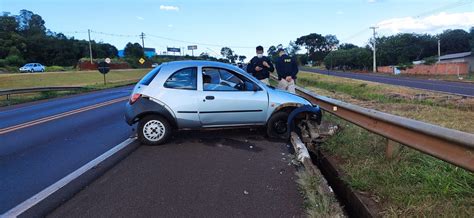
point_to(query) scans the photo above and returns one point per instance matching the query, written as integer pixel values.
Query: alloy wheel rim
(154, 130)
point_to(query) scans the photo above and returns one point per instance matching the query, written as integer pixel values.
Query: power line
(113, 34)
(199, 43)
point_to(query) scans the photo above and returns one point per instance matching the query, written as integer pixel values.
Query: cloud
(339, 12)
(431, 23)
(169, 8)
(140, 18)
(170, 25)
(371, 1)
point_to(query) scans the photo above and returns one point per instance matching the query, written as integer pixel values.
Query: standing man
(260, 66)
(287, 68)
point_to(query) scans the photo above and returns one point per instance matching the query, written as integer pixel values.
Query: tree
(317, 45)
(271, 51)
(354, 58)
(471, 40)
(405, 48)
(228, 54)
(454, 41)
(242, 58)
(347, 46)
(134, 50)
(292, 48)
(30, 23)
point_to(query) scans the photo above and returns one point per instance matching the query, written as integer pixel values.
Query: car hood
(279, 97)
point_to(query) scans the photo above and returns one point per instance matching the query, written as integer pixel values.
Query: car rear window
(146, 80)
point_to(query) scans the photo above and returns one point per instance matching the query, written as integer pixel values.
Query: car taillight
(135, 97)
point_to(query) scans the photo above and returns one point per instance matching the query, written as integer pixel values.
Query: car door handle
(209, 97)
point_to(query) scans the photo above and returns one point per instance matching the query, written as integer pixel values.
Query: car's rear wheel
(277, 125)
(153, 130)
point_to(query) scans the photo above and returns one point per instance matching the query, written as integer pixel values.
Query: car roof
(202, 63)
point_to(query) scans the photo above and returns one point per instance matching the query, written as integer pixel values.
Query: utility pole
(142, 36)
(90, 45)
(439, 50)
(375, 54)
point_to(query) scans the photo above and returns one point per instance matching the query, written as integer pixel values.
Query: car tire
(153, 130)
(277, 126)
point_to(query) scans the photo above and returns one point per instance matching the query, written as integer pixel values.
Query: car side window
(183, 79)
(218, 79)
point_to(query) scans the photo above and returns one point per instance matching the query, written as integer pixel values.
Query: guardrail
(9, 92)
(449, 145)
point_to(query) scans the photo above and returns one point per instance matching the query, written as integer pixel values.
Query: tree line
(399, 49)
(25, 38)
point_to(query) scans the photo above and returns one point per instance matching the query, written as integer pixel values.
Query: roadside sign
(141, 60)
(107, 60)
(170, 49)
(104, 68)
(192, 48)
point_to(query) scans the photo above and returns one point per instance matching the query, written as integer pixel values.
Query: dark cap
(259, 48)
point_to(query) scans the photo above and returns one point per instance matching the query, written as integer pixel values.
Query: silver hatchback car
(205, 94)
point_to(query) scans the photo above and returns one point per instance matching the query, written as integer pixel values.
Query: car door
(179, 93)
(229, 98)
(35, 68)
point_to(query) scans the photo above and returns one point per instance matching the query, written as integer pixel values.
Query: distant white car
(155, 65)
(32, 67)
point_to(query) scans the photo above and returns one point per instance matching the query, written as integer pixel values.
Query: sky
(243, 24)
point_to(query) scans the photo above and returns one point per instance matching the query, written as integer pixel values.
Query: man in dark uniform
(260, 66)
(287, 68)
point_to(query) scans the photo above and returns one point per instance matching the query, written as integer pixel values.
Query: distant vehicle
(205, 94)
(155, 65)
(32, 67)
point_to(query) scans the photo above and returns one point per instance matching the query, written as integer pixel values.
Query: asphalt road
(232, 173)
(38, 147)
(459, 88)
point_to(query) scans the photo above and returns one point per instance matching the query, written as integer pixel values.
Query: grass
(450, 111)
(411, 184)
(67, 78)
(90, 80)
(317, 204)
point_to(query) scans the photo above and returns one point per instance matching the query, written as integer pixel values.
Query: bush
(3, 62)
(404, 66)
(430, 60)
(55, 69)
(14, 60)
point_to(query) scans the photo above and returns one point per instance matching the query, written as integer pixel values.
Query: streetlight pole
(439, 50)
(375, 50)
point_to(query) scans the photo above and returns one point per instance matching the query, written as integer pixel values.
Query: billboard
(170, 49)
(192, 47)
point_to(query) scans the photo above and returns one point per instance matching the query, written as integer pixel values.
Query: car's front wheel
(153, 130)
(277, 125)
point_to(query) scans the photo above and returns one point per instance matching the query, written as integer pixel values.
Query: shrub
(3, 62)
(54, 69)
(430, 60)
(14, 60)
